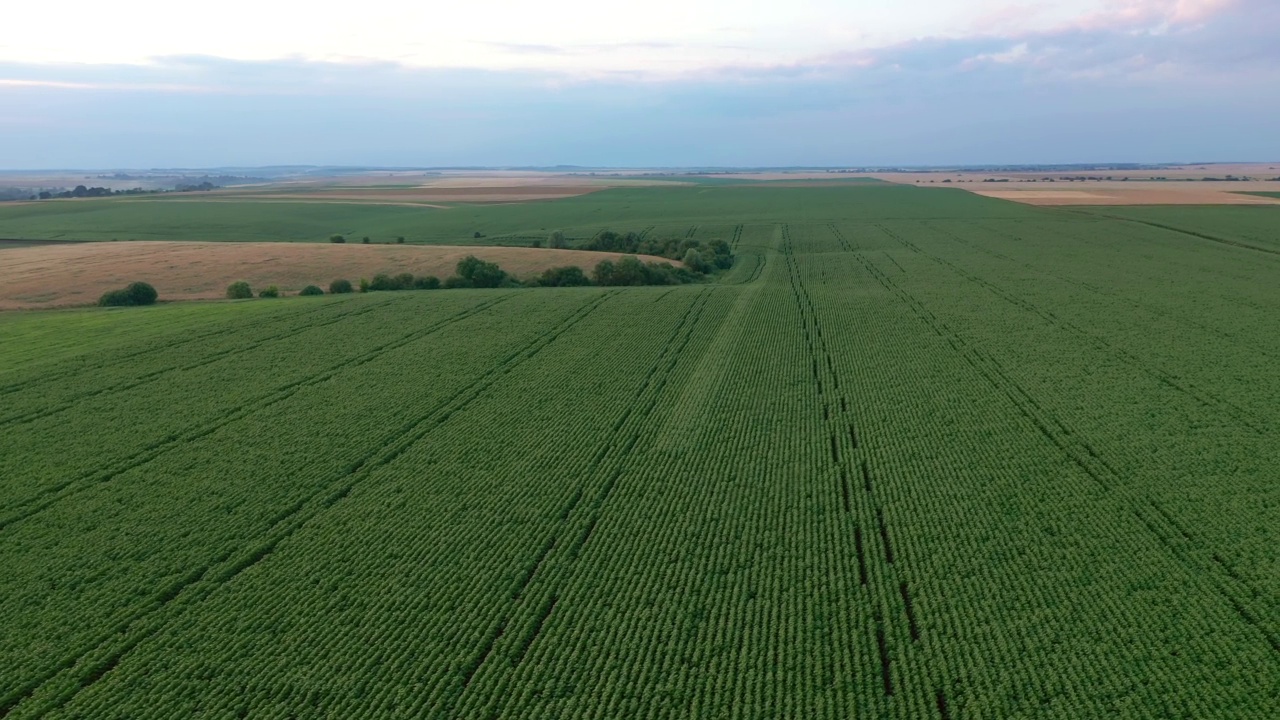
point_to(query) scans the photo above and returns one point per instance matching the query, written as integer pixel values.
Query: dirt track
(66, 275)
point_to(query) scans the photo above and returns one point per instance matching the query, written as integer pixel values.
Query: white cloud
(580, 36)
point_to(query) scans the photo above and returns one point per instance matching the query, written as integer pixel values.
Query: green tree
(382, 282)
(311, 290)
(239, 291)
(136, 293)
(339, 287)
(270, 292)
(568, 276)
(695, 262)
(337, 239)
(479, 273)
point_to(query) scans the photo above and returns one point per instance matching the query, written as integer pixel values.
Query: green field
(711, 210)
(920, 454)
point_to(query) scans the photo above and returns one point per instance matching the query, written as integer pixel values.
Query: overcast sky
(653, 83)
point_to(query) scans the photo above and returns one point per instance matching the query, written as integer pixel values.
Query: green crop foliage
(917, 454)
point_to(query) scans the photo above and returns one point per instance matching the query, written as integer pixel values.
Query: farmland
(919, 454)
(69, 274)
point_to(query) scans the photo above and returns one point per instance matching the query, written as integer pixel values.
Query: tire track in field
(1227, 584)
(206, 360)
(1154, 310)
(839, 423)
(1189, 233)
(85, 667)
(619, 445)
(53, 494)
(1206, 400)
(48, 378)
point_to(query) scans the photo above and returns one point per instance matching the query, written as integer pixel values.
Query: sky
(659, 83)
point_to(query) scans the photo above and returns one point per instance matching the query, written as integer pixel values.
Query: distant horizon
(688, 169)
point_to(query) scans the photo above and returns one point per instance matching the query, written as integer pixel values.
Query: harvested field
(67, 275)
(417, 195)
(1132, 193)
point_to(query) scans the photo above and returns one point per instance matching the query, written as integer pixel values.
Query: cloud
(1145, 81)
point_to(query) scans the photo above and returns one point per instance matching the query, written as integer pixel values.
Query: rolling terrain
(919, 454)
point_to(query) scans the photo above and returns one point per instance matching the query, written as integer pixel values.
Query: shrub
(557, 240)
(568, 276)
(239, 291)
(364, 285)
(114, 298)
(535, 244)
(481, 274)
(365, 240)
(311, 290)
(695, 261)
(339, 287)
(400, 240)
(404, 281)
(381, 282)
(141, 293)
(430, 282)
(270, 292)
(337, 239)
(478, 235)
(629, 270)
(454, 282)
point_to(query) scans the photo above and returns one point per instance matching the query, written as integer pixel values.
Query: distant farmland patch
(58, 275)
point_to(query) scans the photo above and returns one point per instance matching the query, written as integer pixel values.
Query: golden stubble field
(1180, 185)
(52, 276)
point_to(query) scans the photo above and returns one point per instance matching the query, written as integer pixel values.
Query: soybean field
(919, 454)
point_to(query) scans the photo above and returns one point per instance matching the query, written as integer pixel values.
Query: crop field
(919, 454)
(71, 274)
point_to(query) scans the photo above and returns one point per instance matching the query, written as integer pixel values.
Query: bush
(478, 235)
(695, 261)
(404, 281)
(239, 291)
(557, 240)
(339, 287)
(454, 282)
(568, 276)
(628, 270)
(311, 290)
(142, 293)
(364, 285)
(381, 282)
(271, 292)
(481, 274)
(400, 240)
(430, 282)
(535, 244)
(337, 239)
(137, 293)
(365, 240)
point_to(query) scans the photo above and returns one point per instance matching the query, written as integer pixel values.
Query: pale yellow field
(78, 274)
